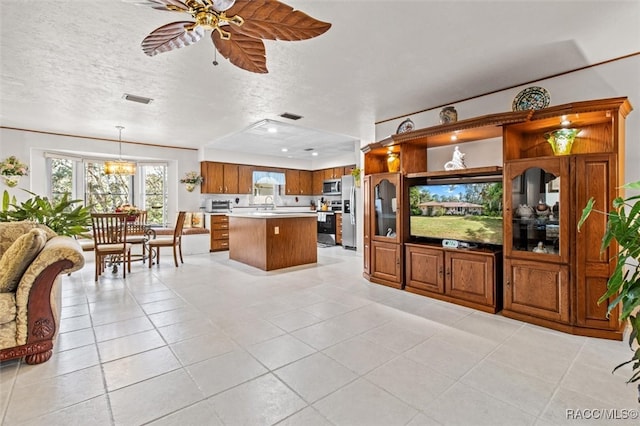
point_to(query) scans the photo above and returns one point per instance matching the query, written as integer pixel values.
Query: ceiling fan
(237, 28)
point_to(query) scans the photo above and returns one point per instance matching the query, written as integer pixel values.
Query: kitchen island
(271, 240)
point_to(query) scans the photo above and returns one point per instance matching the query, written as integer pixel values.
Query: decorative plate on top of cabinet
(406, 126)
(533, 97)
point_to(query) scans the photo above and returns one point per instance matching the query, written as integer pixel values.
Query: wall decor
(448, 115)
(533, 97)
(406, 126)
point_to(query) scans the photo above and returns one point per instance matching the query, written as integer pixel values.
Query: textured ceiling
(65, 66)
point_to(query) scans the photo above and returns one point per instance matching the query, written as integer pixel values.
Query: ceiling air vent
(290, 116)
(139, 99)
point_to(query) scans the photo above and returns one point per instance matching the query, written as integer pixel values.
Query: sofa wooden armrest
(37, 301)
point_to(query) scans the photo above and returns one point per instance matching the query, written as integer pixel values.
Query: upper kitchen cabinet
(298, 182)
(317, 180)
(306, 182)
(245, 179)
(219, 178)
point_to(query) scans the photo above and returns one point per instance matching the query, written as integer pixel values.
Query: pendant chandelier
(120, 167)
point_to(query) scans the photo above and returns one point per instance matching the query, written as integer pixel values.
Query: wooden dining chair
(175, 241)
(137, 232)
(110, 241)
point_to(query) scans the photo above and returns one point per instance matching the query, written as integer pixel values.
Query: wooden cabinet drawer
(219, 219)
(217, 245)
(216, 226)
(220, 234)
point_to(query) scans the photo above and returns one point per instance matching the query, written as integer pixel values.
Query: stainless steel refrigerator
(348, 212)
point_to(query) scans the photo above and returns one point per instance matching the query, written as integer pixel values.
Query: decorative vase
(524, 211)
(393, 163)
(11, 181)
(561, 140)
(190, 186)
(448, 115)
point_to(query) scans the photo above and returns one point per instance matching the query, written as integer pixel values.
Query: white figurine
(457, 162)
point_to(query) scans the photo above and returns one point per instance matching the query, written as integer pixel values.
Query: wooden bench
(194, 240)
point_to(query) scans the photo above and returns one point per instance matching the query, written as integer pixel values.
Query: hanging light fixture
(120, 167)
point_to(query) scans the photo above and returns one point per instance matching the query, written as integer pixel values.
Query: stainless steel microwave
(331, 187)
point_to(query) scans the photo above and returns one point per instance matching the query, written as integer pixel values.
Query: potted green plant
(356, 176)
(623, 227)
(63, 217)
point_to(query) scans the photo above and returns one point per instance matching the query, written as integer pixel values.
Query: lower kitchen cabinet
(339, 228)
(467, 277)
(219, 232)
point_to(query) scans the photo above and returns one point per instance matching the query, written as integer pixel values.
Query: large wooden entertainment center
(556, 284)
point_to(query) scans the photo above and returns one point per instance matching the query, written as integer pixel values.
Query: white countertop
(270, 214)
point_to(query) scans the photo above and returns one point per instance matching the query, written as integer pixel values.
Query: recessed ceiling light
(315, 154)
(284, 150)
(272, 130)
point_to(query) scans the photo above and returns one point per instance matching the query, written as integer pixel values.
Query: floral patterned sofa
(32, 258)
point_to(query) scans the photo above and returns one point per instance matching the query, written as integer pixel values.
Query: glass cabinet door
(536, 209)
(385, 196)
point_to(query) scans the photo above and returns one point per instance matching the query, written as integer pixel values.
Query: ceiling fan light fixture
(119, 166)
(222, 5)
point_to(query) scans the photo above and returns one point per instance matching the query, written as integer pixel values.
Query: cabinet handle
(440, 272)
(448, 272)
(508, 283)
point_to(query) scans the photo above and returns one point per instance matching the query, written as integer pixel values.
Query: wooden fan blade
(171, 36)
(169, 5)
(272, 20)
(242, 51)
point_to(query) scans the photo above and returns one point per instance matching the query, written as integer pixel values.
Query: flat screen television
(467, 212)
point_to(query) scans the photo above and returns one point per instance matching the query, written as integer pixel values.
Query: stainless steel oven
(327, 228)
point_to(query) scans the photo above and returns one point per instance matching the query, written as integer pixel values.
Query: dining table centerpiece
(132, 211)
(11, 169)
(191, 179)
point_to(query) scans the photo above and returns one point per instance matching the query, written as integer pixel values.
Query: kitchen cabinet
(318, 179)
(219, 178)
(306, 182)
(466, 277)
(338, 228)
(298, 182)
(219, 232)
(245, 179)
(292, 179)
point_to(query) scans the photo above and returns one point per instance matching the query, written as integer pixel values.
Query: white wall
(30, 147)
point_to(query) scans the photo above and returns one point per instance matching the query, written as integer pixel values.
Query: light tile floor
(215, 342)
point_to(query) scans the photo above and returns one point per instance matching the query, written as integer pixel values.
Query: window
(85, 179)
(154, 194)
(106, 192)
(61, 178)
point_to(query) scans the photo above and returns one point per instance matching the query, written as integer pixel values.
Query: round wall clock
(533, 97)
(406, 126)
